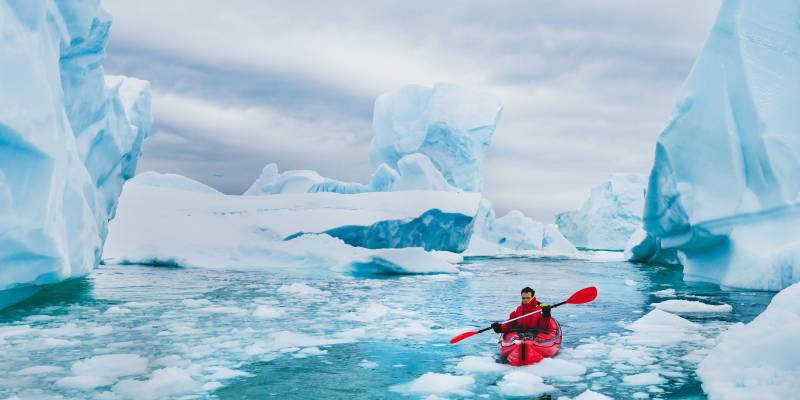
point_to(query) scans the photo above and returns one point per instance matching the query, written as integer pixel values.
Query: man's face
(526, 297)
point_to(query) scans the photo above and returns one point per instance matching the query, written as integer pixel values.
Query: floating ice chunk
(436, 383)
(410, 260)
(665, 293)
(480, 364)
(309, 351)
(111, 365)
(368, 364)
(658, 328)
(163, 383)
(84, 382)
(759, 359)
(643, 379)
(222, 310)
(267, 312)
(552, 367)
(38, 370)
(590, 395)
(367, 313)
(286, 339)
(196, 302)
(631, 282)
(641, 395)
(609, 217)
(645, 248)
(172, 181)
(520, 383)
(686, 306)
(300, 289)
(221, 373)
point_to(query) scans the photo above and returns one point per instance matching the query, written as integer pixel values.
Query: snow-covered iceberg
(725, 185)
(514, 234)
(757, 360)
(609, 217)
(347, 231)
(449, 124)
(69, 138)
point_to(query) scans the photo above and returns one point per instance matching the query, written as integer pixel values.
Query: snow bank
(69, 138)
(725, 182)
(759, 359)
(609, 217)
(173, 181)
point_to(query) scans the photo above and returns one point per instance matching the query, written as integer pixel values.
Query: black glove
(496, 327)
(546, 311)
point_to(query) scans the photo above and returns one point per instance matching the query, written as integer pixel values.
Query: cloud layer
(587, 86)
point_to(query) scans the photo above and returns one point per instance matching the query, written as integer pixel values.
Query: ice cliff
(609, 217)
(725, 183)
(69, 138)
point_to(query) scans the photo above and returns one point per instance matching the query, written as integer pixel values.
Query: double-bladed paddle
(582, 296)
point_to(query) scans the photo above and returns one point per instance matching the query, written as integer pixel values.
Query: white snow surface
(725, 182)
(449, 124)
(253, 227)
(69, 138)
(759, 359)
(173, 181)
(609, 217)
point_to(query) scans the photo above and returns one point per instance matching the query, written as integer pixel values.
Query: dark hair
(527, 289)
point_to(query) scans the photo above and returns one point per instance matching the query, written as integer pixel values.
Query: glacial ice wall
(69, 138)
(609, 217)
(449, 124)
(725, 183)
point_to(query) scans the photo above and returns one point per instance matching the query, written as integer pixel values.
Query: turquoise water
(262, 334)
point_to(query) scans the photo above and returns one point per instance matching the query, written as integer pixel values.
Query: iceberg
(739, 367)
(609, 217)
(351, 232)
(514, 234)
(449, 124)
(293, 181)
(645, 248)
(69, 138)
(724, 189)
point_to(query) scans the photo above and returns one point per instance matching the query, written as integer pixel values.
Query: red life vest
(531, 321)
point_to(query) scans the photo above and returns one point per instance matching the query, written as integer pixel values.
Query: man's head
(526, 295)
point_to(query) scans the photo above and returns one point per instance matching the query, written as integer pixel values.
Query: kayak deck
(531, 346)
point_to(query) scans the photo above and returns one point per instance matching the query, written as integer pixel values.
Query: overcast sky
(587, 86)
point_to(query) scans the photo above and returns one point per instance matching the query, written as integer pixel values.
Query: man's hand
(546, 311)
(496, 327)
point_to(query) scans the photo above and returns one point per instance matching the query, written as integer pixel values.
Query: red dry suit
(532, 321)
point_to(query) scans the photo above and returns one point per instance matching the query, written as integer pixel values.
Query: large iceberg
(514, 234)
(609, 217)
(450, 124)
(349, 232)
(725, 185)
(757, 360)
(69, 138)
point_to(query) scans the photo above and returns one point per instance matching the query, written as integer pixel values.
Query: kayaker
(529, 304)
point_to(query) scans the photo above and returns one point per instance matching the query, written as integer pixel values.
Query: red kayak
(529, 347)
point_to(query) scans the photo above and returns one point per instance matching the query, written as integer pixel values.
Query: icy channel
(157, 332)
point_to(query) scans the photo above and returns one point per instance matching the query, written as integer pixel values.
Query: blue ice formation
(433, 230)
(69, 138)
(724, 189)
(449, 124)
(609, 217)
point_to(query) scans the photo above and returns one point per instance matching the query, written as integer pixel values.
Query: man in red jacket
(529, 304)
